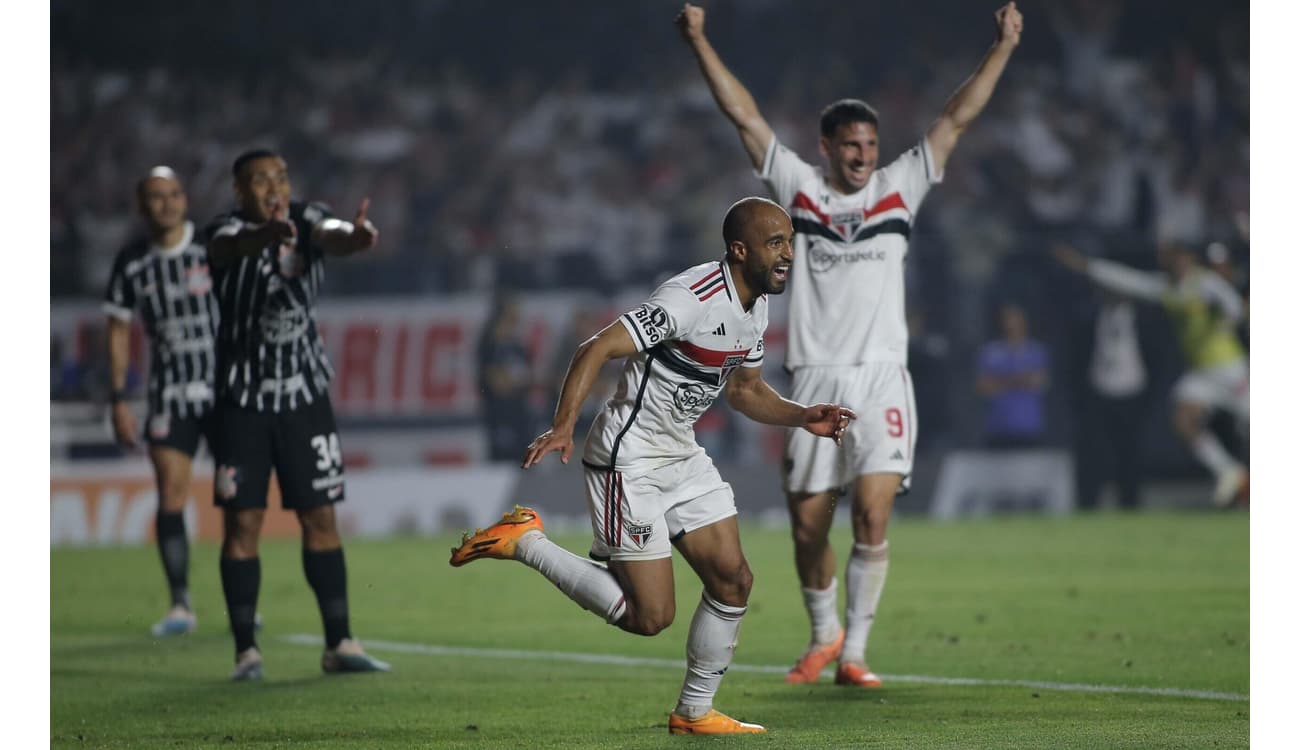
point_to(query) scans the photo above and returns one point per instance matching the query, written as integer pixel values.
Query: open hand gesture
(827, 420)
(691, 22)
(1010, 23)
(125, 427)
(548, 441)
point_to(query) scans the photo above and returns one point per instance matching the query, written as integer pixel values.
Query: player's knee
(174, 493)
(319, 527)
(241, 531)
(735, 586)
(651, 620)
(806, 533)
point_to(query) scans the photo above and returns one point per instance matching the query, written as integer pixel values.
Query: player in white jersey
(848, 332)
(649, 483)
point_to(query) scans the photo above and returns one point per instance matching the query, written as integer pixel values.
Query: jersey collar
(186, 239)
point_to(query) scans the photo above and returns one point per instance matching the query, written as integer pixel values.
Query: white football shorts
(1225, 386)
(882, 440)
(637, 517)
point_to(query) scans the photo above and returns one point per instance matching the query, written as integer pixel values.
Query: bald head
(759, 237)
(747, 214)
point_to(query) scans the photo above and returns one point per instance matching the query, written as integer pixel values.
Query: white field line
(429, 649)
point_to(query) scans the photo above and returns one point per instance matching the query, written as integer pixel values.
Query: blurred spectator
(927, 363)
(1013, 378)
(1114, 409)
(505, 382)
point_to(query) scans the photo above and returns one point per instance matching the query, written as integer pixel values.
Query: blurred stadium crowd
(544, 148)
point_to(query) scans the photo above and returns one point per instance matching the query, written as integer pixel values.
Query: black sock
(174, 549)
(328, 576)
(240, 580)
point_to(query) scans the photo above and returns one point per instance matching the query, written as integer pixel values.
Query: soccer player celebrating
(648, 482)
(165, 275)
(848, 333)
(273, 407)
(1205, 311)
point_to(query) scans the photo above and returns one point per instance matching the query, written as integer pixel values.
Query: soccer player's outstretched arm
(614, 342)
(733, 98)
(232, 241)
(1115, 277)
(338, 237)
(968, 101)
(750, 395)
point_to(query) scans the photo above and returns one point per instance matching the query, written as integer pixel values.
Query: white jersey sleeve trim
(928, 156)
(117, 312)
(1124, 280)
(768, 158)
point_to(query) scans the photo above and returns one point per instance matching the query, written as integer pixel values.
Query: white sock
(820, 604)
(709, 647)
(864, 580)
(589, 584)
(1210, 452)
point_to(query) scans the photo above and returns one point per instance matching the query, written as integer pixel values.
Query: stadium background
(547, 159)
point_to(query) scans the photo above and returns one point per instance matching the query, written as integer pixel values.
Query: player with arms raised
(848, 334)
(1205, 311)
(650, 486)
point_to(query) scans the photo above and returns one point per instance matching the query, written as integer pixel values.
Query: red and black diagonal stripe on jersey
(713, 282)
(824, 227)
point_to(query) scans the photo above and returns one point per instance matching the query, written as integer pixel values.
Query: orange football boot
(856, 674)
(714, 722)
(814, 660)
(498, 540)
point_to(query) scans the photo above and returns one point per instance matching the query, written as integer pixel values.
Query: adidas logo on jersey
(721, 330)
(898, 456)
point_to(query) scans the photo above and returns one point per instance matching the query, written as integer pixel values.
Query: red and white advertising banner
(414, 357)
(95, 503)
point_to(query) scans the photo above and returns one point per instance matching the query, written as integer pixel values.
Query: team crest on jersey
(227, 482)
(291, 263)
(730, 363)
(847, 223)
(639, 532)
(159, 426)
(197, 280)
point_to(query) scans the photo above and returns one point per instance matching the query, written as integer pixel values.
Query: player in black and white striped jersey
(165, 276)
(273, 409)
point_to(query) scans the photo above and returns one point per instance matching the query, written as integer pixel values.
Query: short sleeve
(669, 314)
(755, 356)
(119, 298)
(912, 174)
(784, 172)
(309, 216)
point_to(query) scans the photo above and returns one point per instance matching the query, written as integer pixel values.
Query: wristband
(116, 396)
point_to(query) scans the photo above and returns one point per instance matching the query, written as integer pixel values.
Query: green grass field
(1154, 601)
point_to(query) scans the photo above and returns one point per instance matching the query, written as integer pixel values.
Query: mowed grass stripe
(429, 649)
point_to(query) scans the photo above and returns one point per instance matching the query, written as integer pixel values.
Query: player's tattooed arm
(752, 396)
(614, 342)
(338, 237)
(970, 98)
(732, 97)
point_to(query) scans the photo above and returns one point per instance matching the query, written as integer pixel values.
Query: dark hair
(247, 156)
(844, 112)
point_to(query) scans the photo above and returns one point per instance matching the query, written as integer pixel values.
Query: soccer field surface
(1107, 631)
